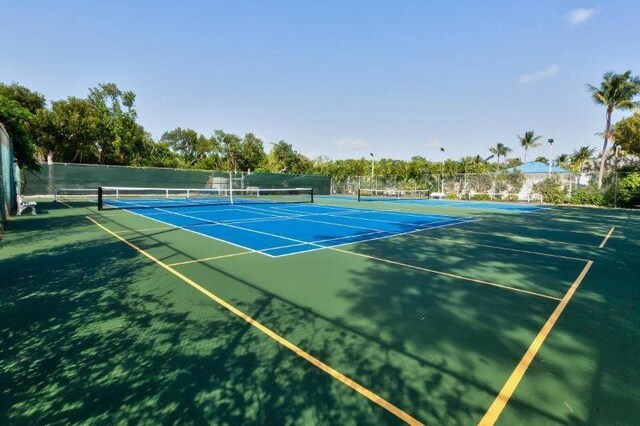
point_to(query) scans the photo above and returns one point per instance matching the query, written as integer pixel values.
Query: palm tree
(529, 140)
(563, 160)
(581, 156)
(500, 150)
(616, 91)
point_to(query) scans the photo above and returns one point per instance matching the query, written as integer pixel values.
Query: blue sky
(337, 78)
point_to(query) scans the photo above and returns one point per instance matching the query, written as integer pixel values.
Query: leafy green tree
(283, 158)
(580, 156)
(627, 133)
(15, 119)
(500, 150)
(28, 99)
(629, 190)
(22, 127)
(68, 131)
(193, 146)
(513, 162)
(162, 155)
(564, 161)
(542, 159)
(252, 153)
(529, 140)
(230, 148)
(616, 91)
(117, 133)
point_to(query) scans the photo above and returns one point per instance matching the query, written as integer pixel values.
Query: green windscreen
(7, 178)
(83, 176)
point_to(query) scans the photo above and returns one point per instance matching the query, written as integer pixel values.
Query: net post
(99, 198)
(230, 187)
(312, 195)
(358, 194)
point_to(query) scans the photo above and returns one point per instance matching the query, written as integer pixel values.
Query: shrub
(512, 197)
(551, 190)
(451, 196)
(629, 190)
(588, 195)
(481, 197)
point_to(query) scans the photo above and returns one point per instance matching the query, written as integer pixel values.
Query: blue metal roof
(538, 167)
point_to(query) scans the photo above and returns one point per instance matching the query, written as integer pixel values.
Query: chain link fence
(621, 189)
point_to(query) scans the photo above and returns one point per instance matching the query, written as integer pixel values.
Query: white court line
(351, 211)
(360, 227)
(388, 211)
(200, 233)
(300, 242)
(469, 204)
(367, 240)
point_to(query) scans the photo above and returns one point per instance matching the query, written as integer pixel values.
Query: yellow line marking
(510, 386)
(211, 258)
(162, 228)
(447, 274)
(606, 238)
(501, 248)
(281, 340)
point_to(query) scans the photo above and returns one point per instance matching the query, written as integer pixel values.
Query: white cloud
(350, 144)
(538, 75)
(580, 15)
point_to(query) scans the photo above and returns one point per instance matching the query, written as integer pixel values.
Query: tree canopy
(627, 134)
(616, 91)
(103, 128)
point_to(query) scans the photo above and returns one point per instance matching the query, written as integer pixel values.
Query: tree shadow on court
(92, 332)
(588, 359)
(482, 334)
(408, 317)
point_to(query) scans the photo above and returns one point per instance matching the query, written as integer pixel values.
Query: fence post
(615, 189)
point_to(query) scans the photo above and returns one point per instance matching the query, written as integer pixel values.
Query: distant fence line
(505, 186)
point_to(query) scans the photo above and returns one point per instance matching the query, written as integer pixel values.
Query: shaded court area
(113, 316)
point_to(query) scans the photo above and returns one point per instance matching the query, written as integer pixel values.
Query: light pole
(372, 163)
(550, 144)
(441, 172)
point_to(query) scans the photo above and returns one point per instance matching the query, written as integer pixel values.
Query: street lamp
(372, 162)
(441, 189)
(550, 144)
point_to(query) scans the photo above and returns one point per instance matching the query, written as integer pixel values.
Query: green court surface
(517, 317)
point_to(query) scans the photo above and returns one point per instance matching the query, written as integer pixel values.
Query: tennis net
(392, 194)
(139, 198)
(75, 194)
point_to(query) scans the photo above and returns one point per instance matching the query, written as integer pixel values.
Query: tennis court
(326, 312)
(423, 197)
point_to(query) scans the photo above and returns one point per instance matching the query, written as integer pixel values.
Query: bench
(25, 205)
(436, 195)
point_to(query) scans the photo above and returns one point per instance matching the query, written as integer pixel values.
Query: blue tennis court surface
(493, 205)
(285, 229)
